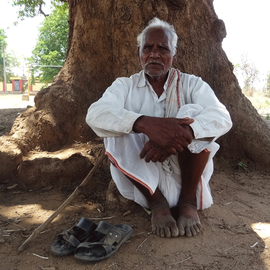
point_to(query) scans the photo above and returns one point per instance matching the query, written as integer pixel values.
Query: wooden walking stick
(68, 200)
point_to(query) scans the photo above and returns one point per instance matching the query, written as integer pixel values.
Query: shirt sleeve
(214, 120)
(108, 117)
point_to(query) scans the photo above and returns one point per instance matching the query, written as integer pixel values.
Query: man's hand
(153, 152)
(171, 134)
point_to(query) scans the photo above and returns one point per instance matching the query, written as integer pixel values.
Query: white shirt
(129, 98)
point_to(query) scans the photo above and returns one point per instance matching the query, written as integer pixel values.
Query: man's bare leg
(163, 224)
(192, 166)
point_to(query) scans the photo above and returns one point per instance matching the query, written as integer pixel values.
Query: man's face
(156, 55)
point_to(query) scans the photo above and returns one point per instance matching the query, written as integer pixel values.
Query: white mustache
(155, 62)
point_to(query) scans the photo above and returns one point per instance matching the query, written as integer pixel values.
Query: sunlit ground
(263, 230)
(11, 101)
(34, 213)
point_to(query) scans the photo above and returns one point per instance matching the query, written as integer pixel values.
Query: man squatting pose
(159, 128)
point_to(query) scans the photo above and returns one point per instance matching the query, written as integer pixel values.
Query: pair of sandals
(90, 242)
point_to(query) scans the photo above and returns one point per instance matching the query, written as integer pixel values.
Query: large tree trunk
(51, 138)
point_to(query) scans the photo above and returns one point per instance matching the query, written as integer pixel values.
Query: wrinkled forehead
(157, 35)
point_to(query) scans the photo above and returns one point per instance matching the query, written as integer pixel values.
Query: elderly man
(160, 127)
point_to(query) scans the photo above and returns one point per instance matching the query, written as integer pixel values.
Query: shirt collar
(143, 79)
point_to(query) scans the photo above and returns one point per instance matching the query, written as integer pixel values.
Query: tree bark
(102, 47)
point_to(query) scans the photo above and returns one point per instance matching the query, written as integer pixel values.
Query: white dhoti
(123, 152)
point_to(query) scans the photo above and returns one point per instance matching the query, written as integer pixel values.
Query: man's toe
(174, 231)
(197, 227)
(154, 230)
(168, 232)
(193, 230)
(181, 230)
(188, 232)
(161, 232)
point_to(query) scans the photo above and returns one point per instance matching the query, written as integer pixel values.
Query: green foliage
(32, 8)
(2, 37)
(243, 166)
(250, 75)
(236, 68)
(52, 44)
(262, 104)
(28, 8)
(2, 43)
(267, 86)
(10, 59)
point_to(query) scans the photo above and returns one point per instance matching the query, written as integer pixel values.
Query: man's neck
(157, 83)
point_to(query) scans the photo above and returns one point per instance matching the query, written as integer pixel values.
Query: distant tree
(51, 47)
(267, 86)
(2, 43)
(250, 75)
(10, 59)
(32, 8)
(236, 69)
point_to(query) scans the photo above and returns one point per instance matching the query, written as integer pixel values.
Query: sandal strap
(85, 224)
(113, 235)
(71, 240)
(108, 248)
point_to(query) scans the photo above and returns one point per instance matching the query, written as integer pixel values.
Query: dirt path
(10, 107)
(236, 229)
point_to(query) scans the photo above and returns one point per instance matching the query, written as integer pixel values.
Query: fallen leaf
(126, 213)
(13, 186)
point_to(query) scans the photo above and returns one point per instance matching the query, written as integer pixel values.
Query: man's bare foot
(188, 221)
(163, 224)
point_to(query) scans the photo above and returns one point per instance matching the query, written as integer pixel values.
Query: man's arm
(108, 117)
(214, 120)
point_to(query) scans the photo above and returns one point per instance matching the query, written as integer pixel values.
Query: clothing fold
(127, 99)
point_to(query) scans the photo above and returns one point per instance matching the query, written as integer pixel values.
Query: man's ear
(138, 53)
(175, 57)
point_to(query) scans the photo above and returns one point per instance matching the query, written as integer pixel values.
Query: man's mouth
(154, 63)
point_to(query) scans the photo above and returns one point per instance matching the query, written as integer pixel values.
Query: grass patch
(262, 104)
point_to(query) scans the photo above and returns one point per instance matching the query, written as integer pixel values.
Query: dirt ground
(235, 235)
(10, 107)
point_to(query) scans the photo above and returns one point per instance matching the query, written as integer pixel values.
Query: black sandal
(110, 240)
(68, 240)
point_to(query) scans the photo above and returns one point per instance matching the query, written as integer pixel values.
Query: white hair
(157, 23)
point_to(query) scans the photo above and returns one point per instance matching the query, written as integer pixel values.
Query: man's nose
(155, 53)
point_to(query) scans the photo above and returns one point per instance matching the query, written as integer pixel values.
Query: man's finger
(164, 156)
(185, 121)
(179, 148)
(173, 150)
(156, 157)
(184, 138)
(150, 155)
(145, 149)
